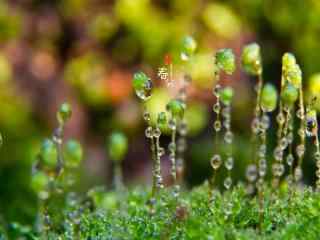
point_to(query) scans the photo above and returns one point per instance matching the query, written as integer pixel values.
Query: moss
(189, 217)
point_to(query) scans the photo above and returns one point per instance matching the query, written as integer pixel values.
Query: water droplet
(216, 107)
(215, 161)
(317, 156)
(172, 147)
(148, 132)
(172, 158)
(183, 128)
(301, 132)
(143, 94)
(176, 191)
(318, 163)
(159, 181)
(146, 116)
(251, 173)
(278, 153)
(161, 151)
(255, 125)
(262, 170)
(283, 143)
(226, 124)
(262, 150)
(228, 209)
(184, 56)
(227, 183)
(229, 163)
(226, 112)
(148, 85)
(280, 118)
(290, 138)
(181, 145)
(298, 174)
(300, 113)
(156, 132)
(277, 169)
(249, 189)
(228, 137)
(265, 122)
(259, 184)
(300, 150)
(290, 159)
(216, 90)
(172, 124)
(217, 126)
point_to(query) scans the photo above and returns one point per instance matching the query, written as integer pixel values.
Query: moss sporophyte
(53, 170)
(176, 213)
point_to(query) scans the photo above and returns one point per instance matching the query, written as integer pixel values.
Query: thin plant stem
(301, 115)
(154, 181)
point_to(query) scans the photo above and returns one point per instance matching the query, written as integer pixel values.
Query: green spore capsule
(162, 119)
(226, 95)
(142, 85)
(288, 61)
(39, 181)
(251, 59)
(117, 146)
(225, 60)
(176, 108)
(294, 76)
(189, 46)
(269, 98)
(49, 153)
(64, 113)
(72, 153)
(289, 94)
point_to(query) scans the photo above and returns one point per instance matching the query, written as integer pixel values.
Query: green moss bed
(129, 214)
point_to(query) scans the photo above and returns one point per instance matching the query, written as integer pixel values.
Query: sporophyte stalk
(251, 62)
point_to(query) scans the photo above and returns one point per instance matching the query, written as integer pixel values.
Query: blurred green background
(85, 52)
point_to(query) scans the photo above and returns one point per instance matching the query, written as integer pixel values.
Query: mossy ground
(127, 215)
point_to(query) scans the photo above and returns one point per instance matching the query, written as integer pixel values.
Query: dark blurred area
(85, 52)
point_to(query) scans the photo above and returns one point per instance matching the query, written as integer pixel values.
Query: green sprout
(251, 59)
(142, 85)
(269, 97)
(49, 154)
(117, 149)
(225, 60)
(64, 113)
(189, 46)
(226, 95)
(72, 153)
(39, 182)
(289, 95)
